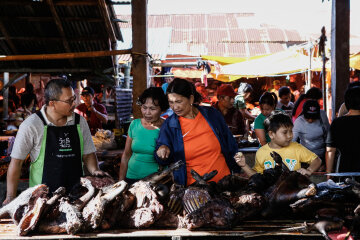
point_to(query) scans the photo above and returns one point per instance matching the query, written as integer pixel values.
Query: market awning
(291, 61)
(355, 61)
(230, 60)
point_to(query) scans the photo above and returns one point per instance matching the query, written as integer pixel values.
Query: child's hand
(240, 159)
(304, 171)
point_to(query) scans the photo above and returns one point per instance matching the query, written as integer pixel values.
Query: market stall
(260, 229)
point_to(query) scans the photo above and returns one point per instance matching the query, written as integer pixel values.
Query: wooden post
(340, 30)
(140, 62)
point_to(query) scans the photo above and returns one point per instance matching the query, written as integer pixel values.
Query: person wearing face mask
(225, 104)
(196, 135)
(58, 141)
(94, 113)
(138, 159)
(311, 128)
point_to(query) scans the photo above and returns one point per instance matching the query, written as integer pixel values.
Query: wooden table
(109, 154)
(245, 230)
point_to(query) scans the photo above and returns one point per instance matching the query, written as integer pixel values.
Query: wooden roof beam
(105, 14)
(18, 2)
(73, 39)
(47, 70)
(49, 19)
(60, 28)
(76, 2)
(7, 38)
(119, 2)
(58, 3)
(65, 55)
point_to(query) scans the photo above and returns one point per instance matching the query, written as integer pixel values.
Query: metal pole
(116, 65)
(309, 72)
(127, 68)
(5, 95)
(324, 59)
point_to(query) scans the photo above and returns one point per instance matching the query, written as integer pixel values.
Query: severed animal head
(278, 161)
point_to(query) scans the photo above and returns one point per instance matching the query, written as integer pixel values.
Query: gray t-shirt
(312, 135)
(30, 135)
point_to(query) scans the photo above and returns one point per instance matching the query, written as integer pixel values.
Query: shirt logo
(291, 163)
(268, 165)
(64, 144)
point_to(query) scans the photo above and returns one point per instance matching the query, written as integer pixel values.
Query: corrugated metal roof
(276, 35)
(158, 42)
(220, 34)
(253, 35)
(276, 47)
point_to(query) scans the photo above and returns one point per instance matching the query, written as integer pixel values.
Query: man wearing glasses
(94, 113)
(58, 141)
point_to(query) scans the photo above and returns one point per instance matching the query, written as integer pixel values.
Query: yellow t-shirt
(292, 155)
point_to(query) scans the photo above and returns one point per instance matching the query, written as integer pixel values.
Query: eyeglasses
(70, 101)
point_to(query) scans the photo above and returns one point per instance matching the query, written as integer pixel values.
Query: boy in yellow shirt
(279, 127)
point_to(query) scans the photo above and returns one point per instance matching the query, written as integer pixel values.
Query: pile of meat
(101, 203)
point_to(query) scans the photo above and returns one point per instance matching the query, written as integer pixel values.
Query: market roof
(222, 34)
(30, 27)
(158, 43)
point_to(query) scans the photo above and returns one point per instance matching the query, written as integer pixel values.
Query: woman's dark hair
(53, 89)
(314, 93)
(268, 98)
(352, 98)
(297, 103)
(276, 121)
(184, 88)
(284, 91)
(156, 94)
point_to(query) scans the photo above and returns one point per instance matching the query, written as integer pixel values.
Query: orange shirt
(202, 149)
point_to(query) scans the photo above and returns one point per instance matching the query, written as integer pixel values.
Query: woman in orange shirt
(197, 135)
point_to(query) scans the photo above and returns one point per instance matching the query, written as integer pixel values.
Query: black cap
(87, 90)
(311, 109)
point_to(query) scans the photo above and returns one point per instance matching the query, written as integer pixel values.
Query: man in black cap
(94, 113)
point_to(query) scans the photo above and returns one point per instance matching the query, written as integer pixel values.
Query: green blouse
(142, 162)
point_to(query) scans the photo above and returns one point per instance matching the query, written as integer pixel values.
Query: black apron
(62, 155)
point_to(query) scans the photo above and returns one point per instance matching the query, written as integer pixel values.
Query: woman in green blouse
(138, 160)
